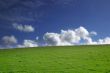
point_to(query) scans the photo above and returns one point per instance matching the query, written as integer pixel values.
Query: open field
(73, 59)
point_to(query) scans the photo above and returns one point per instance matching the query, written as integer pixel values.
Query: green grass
(73, 59)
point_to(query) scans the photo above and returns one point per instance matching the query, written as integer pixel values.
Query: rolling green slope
(73, 59)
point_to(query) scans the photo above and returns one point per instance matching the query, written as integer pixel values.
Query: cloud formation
(9, 40)
(69, 37)
(93, 33)
(28, 43)
(78, 36)
(24, 28)
(104, 41)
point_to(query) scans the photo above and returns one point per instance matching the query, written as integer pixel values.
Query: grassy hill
(73, 59)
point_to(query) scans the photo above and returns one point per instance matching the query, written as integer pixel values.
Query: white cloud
(93, 33)
(24, 28)
(69, 37)
(52, 38)
(104, 41)
(28, 43)
(89, 41)
(78, 36)
(82, 32)
(9, 40)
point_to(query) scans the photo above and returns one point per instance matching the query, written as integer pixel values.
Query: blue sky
(53, 16)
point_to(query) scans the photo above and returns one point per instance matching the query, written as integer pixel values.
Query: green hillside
(73, 59)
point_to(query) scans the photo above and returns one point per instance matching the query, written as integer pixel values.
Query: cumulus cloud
(52, 39)
(89, 41)
(9, 40)
(93, 33)
(28, 43)
(78, 36)
(69, 37)
(82, 32)
(24, 28)
(104, 41)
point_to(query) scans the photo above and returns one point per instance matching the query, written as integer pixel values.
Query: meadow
(62, 59)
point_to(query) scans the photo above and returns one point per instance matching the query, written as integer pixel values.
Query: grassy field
(73, 59)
